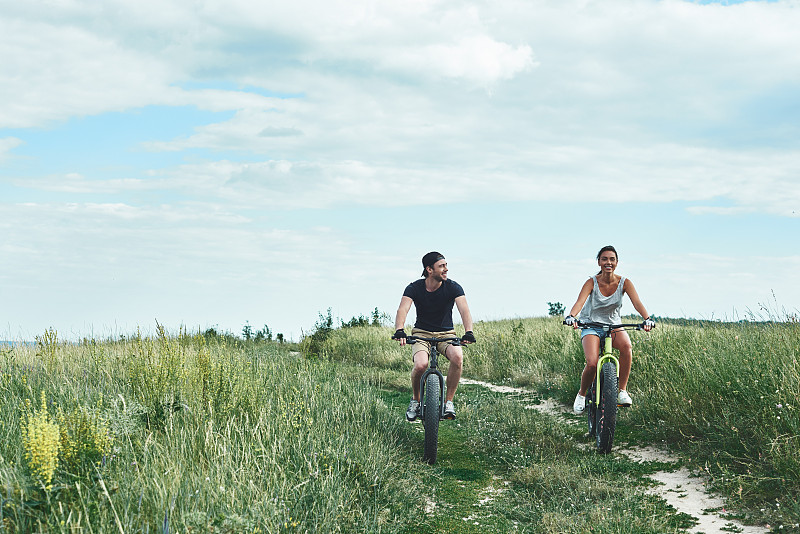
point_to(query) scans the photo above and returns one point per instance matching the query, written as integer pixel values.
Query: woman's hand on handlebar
(648, 324)
(569, 320)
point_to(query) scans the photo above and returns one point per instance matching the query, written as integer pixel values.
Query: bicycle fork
(606, 356)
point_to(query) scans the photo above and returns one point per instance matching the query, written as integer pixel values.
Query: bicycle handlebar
(590, 324)
(452, 340)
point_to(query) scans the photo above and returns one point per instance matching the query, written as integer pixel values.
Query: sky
(211, 164)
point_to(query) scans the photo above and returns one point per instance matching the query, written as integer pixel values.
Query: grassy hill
(202, 433)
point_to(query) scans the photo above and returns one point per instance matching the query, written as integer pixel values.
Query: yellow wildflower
(42, 441)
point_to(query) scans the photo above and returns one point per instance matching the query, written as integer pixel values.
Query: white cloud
(7, 144)
(702, 210)
(73, 59)
(755, 181)
(703, 286)
(52, 73)
(77, 183)
(478, 59)
(763, 180)
(117, 263)
(391, 104)
(712, 286)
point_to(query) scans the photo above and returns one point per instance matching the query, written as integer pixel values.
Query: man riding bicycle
(433, 297)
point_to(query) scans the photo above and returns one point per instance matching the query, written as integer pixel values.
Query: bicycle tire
(430, 419)
(591, 409)
(607, 411)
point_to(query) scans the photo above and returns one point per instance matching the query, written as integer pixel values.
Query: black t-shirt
(434, 309)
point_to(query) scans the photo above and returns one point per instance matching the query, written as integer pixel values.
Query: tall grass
(556, 487)
(726, 394)
(203, 435)
(186, 433)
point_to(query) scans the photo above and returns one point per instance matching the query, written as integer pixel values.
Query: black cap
(429, 259)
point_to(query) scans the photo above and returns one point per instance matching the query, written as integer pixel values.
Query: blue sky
(263, 162)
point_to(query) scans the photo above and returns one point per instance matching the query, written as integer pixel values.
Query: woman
(600, 301)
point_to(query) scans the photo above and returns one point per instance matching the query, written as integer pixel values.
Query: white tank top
(601, 309)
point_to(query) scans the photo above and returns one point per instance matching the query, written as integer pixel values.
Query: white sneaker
(623, 399)
(579, 406)
(413, 410)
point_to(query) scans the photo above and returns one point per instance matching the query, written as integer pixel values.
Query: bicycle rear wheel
(430, 419)
(607, 410)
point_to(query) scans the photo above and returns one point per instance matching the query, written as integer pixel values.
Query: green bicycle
(601, 398)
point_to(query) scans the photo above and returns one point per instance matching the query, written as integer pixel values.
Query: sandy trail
(685, 491)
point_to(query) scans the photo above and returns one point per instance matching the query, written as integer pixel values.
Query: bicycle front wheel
(607, 410)
(430, 420)
(591, 409)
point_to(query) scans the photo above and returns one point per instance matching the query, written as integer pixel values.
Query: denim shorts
(593, 331)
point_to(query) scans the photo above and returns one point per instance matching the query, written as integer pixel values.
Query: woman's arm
(635, 300)
(586, 290)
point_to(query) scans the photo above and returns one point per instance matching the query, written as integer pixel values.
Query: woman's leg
(591, 349)
(622, 342)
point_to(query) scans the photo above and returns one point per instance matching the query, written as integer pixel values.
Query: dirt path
(680, 488)
(467, 488)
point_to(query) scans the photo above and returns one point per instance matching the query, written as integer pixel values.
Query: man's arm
(402, 314)
(463, 310)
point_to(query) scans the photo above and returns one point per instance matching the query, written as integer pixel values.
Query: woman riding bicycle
(600, 301)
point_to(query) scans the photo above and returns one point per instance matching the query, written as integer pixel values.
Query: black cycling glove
(468, 337)
(399, 334)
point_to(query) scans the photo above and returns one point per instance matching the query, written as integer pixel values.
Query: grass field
(189, 433)
(724, 395)
(184, 434)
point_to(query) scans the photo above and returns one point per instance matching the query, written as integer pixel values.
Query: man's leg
(420, 364)
(456, 356)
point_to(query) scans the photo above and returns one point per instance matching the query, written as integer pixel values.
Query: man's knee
(420, 361)
(455, 356)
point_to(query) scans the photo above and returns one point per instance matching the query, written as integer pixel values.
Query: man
(434, 296)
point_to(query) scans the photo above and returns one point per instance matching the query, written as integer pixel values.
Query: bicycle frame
(606, 355)
(433, 368)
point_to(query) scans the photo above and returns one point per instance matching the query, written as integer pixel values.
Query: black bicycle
(431, 403)
(601, 398)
